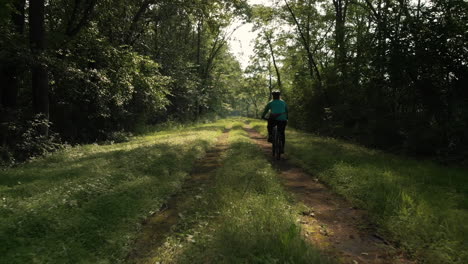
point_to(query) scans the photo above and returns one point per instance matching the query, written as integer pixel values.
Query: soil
(156, 228)
(332, 223)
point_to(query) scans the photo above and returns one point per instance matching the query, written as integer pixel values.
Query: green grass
(243, 217)
(421, 205)
(85, 204)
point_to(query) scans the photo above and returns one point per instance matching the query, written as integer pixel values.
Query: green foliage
(85, 203)
(118, 66)
(26, 140)
(33, 143)
(119, 137)
(373, 71)
(262, 14)
(115, 89)
(419, 204)
(253, 96)
(4, 10)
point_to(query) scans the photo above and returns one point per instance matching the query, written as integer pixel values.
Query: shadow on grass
(59, 167)
(88, 208)
(88, 232)
(330, 158)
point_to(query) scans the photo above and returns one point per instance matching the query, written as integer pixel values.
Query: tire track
(331, 223)
(156, 228)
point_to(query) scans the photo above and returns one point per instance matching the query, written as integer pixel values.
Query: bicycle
(277, 144)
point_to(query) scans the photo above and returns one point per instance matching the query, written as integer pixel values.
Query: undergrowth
(421, 205)
(244, 217)
(85, 204)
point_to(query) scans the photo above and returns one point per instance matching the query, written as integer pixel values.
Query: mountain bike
(277, 136)
(277, 144)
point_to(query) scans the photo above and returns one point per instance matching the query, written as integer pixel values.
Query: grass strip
(243, 217)
(420, 204)
(85, 204)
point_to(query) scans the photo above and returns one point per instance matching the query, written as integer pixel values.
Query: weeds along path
(156, 227)
(328, 221)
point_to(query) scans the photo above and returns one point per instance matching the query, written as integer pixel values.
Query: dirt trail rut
(332, 224)
(156, 228)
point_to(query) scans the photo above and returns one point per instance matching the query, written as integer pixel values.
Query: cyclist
(278, 116)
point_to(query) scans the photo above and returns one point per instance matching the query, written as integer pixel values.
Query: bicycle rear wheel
(278, 145)
(274, 141)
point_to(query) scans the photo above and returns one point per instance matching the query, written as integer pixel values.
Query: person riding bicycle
(278, 116)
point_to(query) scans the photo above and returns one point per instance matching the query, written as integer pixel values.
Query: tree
(9, 75)
(263, 18)
(382, 77)
(40, 80)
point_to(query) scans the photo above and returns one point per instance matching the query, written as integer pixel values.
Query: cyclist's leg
(281, 129)
(271, 124)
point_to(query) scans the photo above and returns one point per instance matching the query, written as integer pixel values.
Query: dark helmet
(276, 93)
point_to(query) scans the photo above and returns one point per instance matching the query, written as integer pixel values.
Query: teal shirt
(277, 106)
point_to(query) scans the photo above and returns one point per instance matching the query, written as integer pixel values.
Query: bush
(34, 142)
(6, 157)
(26, 139)
(119, 137)
(99, 89)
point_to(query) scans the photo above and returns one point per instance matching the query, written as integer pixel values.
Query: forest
(130, 132)
(87, 71)
(389, 74)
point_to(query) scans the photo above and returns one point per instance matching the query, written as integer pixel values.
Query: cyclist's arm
(265, 111)
(286, 111)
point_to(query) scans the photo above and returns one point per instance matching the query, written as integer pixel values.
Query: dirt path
(332, 223)
(156, 228)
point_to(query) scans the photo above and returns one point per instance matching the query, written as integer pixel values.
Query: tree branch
(312, 63)
(136, 18)
(72, 31)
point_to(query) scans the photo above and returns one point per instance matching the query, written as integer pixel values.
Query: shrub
(119, 137)
(25, 139)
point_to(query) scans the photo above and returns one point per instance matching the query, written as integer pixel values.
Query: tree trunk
(80, 16)
(40, 81)
(313, 68)
(278, 76)
(312, 64)
(270, 86)
(254, 102)
(199, 40)
(340, 20)
(9, 73)
(133, 33)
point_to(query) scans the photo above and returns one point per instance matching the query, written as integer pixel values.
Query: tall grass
(244, 217)
(85, 204)
(420, 204)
